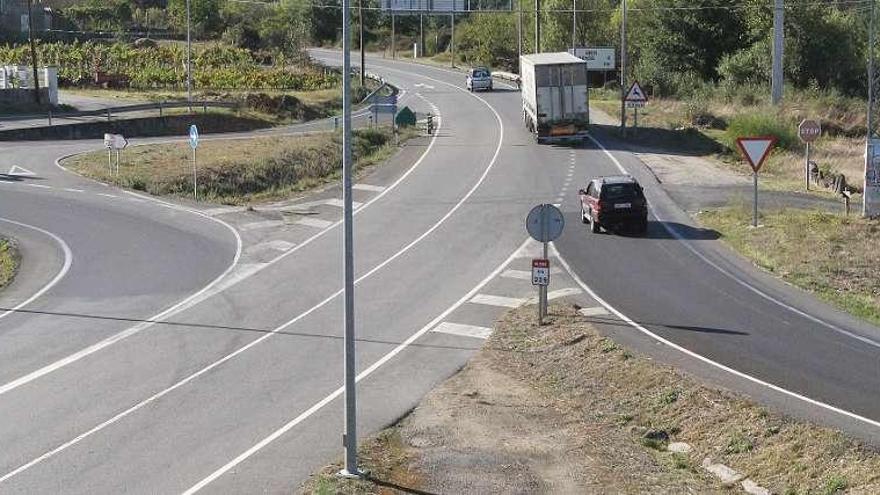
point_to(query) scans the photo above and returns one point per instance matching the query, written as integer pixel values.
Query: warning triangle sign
(635, 94)
(756, 149)
(16, 170)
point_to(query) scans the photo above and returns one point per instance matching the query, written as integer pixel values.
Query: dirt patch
(10, 260)
(561, 409)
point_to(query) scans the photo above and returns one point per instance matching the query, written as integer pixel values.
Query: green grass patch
(829, 255)
(762, 124)
(9, 261)
(240, 171)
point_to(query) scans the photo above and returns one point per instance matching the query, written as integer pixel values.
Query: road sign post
(114, 142)
(756, 150)
(194, 143)
(544, 223)
(808, 131)
(635, 99)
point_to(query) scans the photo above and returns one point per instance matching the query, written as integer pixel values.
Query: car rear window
(615, 192)
(481, 73)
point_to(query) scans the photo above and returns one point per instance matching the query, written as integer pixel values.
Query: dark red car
(614, 203)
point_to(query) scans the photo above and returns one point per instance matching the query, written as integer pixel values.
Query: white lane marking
(340, 204)
(673, 232)
(556, 294)
(314, 222)
(368, 187)
(505, 302)
(65, 266)
(223, 210)
(463, 330)
(517, 274)
(70, 189)
(364, 374)
(180, 306)
(278, 245)
(108, 195)
(40, 186)
(290, 322)
(702, 358)
(136, 200)
(596, 311)
(16, 170)
(264, 224)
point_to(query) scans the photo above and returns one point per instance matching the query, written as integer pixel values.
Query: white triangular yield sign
(16, 170)
(635, 93)
(756, 149)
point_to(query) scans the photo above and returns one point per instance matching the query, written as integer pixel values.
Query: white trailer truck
(555, 95)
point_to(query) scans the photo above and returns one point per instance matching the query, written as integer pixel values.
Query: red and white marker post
(756, 149)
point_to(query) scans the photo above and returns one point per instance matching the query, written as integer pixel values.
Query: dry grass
(240, 171)
(833, 256)
(9, 261)
(608, 411)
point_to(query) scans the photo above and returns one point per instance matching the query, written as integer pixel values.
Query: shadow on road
(394, 486)
(660, 230)
(613, 321)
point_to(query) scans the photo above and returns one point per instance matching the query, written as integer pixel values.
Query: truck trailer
(555, 96)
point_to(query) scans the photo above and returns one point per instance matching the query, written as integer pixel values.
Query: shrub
(761, 124)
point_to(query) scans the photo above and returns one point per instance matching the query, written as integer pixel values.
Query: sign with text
(809, 130)
(596, 58)
(635, 97)
(115, 142)
(872, 179)
(540, 272)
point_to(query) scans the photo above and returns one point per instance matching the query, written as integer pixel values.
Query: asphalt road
(237, 390)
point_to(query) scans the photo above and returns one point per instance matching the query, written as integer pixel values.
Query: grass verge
(543, 410)
(9, 261)
(239, 171)
(830, 255)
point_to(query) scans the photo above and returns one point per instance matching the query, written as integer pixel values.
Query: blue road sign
(193, 136)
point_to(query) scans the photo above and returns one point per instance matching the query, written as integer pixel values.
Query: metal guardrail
(110, 111)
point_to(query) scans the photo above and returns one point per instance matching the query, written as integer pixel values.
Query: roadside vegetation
(830, 255)
(563, 409)
(238, 171)
(9, 261)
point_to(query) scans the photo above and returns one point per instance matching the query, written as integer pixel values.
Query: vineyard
(164, 66)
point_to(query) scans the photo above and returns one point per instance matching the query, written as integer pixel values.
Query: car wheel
(643, 228)
(584, 215)
(594, 225)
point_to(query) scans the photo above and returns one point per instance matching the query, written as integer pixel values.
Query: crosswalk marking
(278, 245)
(339, 204)
(368, 187)
(489, 300)
(463, 330)
(314, 222)
(597, 311)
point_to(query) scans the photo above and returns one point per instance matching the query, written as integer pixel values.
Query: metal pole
(807, 168)
(393, 37)
(195, 178)
(33, 52)
(188, 56)
(350, 436)
(421, 35)
(110, 161)
(623, 67)
(117, 163)
(361, 42)
(519, 28)
(778, 51)
(452, 40)
(869, 206)
(574, 23)
(537, 26)
(755, 217)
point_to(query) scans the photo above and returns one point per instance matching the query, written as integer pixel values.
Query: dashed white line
(368, 187)
(596, 311)
(314, 222)
(505, 302)
(264, 224)
(40, 186)
(70, 189)
(108, 195)
(463, 330)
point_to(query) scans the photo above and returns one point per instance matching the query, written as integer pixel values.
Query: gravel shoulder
(10, 260)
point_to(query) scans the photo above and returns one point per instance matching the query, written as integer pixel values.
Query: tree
(205, 17)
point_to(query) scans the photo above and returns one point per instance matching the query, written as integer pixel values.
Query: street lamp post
(189, 95)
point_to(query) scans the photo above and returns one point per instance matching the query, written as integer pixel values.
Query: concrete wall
(22, 96)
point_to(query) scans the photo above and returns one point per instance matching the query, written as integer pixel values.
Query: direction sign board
(540, 272)
(636, 97)
(545, 223)
(809, 130)
(596, 58)
(193, 136)
(115, 142)
(756, 149)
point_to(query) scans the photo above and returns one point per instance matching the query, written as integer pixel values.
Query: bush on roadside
(761, 124)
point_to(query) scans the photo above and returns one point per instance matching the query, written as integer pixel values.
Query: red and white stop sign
(809, 131)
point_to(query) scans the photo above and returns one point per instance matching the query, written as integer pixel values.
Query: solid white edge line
(367, 372)
(700, 357)
(65, 266)
(235, 353)
(766, 296)
(673, 232)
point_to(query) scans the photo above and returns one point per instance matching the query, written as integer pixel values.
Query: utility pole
(623, 87)
(393, 36)
(574, 23)
(778, 51)
(189, 95)
(350, 437)
(519, 28)
(871, 194)
(361, 42)
(537, 26)
(421, 34)
(33, 51)
(452, 39)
